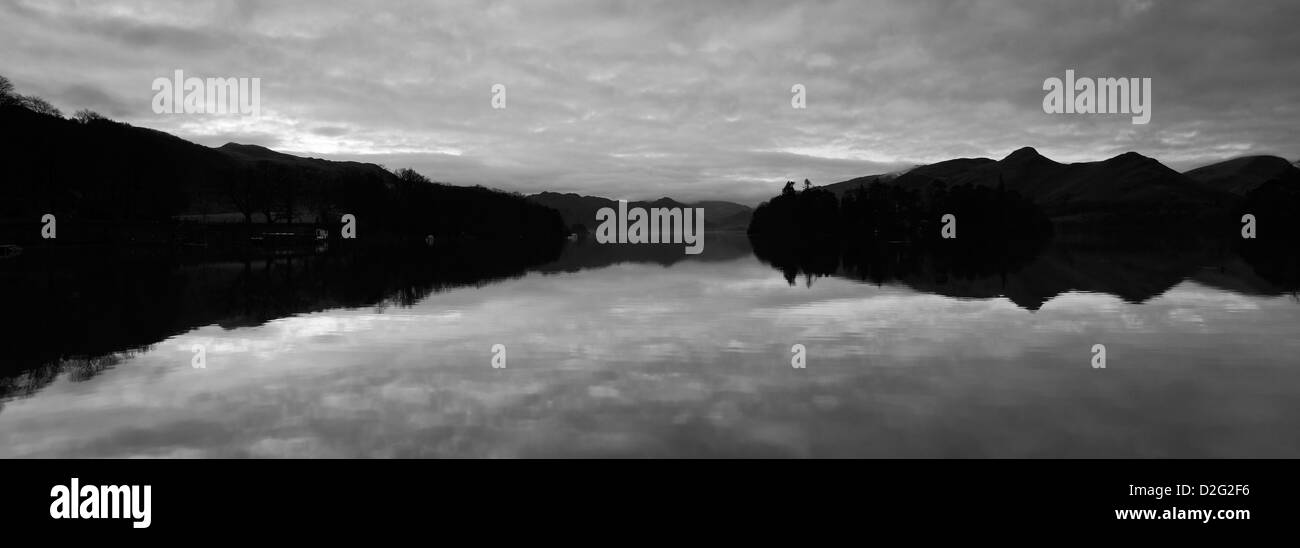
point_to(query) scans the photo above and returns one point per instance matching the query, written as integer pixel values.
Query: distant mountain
(578, 209)
(1128, 182)
(1242, 175)
(587, 253)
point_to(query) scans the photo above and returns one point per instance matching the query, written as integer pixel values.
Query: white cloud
(698, 92)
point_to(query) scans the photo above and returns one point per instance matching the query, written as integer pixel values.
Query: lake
(646, 352)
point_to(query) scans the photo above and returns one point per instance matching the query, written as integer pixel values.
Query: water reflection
(651, 352)
(1035, 273)
(81, 311)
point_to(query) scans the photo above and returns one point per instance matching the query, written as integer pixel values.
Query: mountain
(842, 187)
(1242, 175)
(578, 209)
(1125, 183)
(92, 173)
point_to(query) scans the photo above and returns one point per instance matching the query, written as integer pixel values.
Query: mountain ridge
(1246, 173)
(1125, 181)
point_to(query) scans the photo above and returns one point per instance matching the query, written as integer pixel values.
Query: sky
(642, 99)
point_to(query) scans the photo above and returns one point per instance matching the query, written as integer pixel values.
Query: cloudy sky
(640, 99)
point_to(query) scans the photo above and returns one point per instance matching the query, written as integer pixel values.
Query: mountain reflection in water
(645, 351)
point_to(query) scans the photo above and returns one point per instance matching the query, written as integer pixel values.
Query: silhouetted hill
(1242, 175)
(94, 170)
(1124, 184)
(1269, 188)
(843, 187)
(578, 209)
(721, 210)
(1129, 182)
(1127, 226)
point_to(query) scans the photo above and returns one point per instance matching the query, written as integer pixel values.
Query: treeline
(883, 212)
(420, 206)
(10, 97)
(91, 169)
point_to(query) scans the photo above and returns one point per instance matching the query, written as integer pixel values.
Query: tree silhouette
(40, 106)
(10, 97)
(891, 213)
(87, 116)
(7, 96)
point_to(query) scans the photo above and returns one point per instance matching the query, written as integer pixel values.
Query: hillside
(94, 170)
(1242, 175)
(1129, 182)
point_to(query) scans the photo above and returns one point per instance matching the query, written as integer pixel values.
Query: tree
(87, 116)
(789, 189)
(807, 184)
(40, 106)
(7, 95)
(411, 176)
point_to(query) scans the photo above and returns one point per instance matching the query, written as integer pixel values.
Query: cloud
(644, 99)
(94, 99)
(330, 131)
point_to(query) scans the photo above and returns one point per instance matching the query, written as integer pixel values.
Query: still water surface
(691, 358)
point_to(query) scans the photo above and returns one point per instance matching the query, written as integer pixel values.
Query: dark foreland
(1130, 193)
(110, 182)
(1029, 228)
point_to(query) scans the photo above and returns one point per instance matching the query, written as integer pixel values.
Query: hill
(91, 171)
(1126, 183)
(1242, 175)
